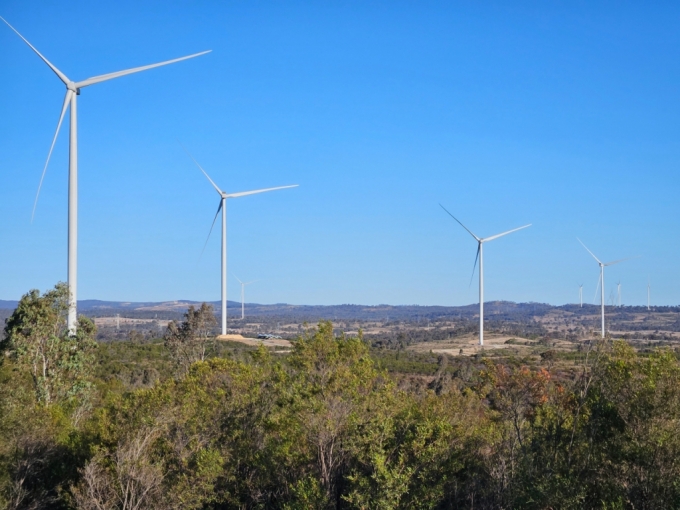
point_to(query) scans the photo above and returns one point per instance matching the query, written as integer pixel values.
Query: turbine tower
(601, 282)
(223, 207)
(618, 288)
(72, 91)
(580, 294)
(243, 296)
(480, 256)
(647, 295)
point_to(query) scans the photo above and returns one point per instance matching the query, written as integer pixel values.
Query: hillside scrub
(325, 427)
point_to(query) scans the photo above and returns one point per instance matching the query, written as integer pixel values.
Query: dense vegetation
(191, 423)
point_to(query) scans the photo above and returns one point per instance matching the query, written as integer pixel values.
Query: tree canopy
(325, 426)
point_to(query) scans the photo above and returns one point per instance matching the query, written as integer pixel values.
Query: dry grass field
(468, 345)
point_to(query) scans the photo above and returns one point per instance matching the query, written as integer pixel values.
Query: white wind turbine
(601, 282)
(580, 294)
(612, 298)
(618, 290)
(243, 295)
(72, 91)
(223, 207)
(480, 255)
(648, 285)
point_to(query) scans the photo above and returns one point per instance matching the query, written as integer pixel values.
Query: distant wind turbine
(243, 295)
(601, 282)
(480, 256)
(618, 288)
(72, 91)
(612, 298)
(580, 294)
(223, 207)
(648, 286)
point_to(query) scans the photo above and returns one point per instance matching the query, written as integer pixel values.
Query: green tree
(635, 409)
(188, 342)
(36, 338)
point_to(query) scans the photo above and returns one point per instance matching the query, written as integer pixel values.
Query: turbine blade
(61, 75)
(253, 281)
(244, 193)
(597, 287)
(479, 247)
(67, 101)
(211, 227)
(118, 74)
(235, 275)
(621, 260)
(598, 260)
(505, 233)
(201, 168)
(469, 231)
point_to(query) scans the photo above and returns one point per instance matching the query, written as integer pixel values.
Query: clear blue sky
(560, 114)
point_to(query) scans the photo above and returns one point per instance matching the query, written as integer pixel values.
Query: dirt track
(269, 342)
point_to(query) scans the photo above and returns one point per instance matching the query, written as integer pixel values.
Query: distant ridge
(175, 309)
(94, 304)
(496, 310)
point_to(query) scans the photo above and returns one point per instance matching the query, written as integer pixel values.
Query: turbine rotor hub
(72, 87)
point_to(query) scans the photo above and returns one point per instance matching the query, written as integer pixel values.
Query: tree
(36, 338)
(127, 479)
(636, 423)
(188, 341)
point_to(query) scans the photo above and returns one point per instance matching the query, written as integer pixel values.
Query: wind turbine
(243, 296)
(480, 256)
(580, 294)
(618, 288)
(223, 207)
(647, 295)
(601, 282)
(72, 91)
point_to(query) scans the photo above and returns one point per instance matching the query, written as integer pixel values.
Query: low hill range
(383, 312)
(498, 309)
(633, 317)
